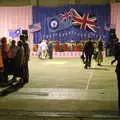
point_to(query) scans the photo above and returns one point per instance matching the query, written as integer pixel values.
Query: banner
(72, 22)
(15, 33)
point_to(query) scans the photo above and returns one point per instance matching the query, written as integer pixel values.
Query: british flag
(65, 16)
(84, 21)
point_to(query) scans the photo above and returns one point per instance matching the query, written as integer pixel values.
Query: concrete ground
(62, 85)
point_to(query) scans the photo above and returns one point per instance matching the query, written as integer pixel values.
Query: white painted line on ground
(64, 94)
(90, 77)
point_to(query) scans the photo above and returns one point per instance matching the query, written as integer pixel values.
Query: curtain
(13, 18)
(115, 17)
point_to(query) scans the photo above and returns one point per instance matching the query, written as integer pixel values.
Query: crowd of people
(14, 60)
(90, 50)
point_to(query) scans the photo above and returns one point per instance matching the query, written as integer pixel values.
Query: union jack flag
(65, 16)
(84, 21)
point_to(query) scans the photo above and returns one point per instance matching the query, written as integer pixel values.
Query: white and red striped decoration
(65, 54)
(62, 54)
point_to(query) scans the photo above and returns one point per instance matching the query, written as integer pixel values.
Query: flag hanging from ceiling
(14, 32)
(35, 27)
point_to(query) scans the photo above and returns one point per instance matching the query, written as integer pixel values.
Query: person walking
(88, 51)
(100, 53)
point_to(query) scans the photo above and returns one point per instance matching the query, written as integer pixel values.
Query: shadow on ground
(12, 86)
(36, 115)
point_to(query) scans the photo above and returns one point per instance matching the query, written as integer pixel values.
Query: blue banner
(72, 22)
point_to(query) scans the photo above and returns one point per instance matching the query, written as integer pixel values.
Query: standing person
(12, 56)
(115, 50)
(50, 49)
(26, 59)
(88, 51)
(39, 50)
(5, 54)
(19, 61)
(1, 66)
(100, 54)
(117, 58)
(44, 49)
(1, 61)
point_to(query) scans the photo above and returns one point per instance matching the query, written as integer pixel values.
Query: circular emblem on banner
(17, 32)
(54, 23)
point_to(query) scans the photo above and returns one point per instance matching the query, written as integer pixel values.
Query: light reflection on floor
(65, 94)
(56, 62)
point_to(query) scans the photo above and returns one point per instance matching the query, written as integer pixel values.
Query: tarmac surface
(62, 89)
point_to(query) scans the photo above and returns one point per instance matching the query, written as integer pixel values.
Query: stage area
(63, 85)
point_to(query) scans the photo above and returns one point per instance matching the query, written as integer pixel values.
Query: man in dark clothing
(117, 58)
(12, 56)
(88, 51)
(115, 45)
(19, 61)
(100, 54)
(26, 59)
(118, 82)
(50, 50)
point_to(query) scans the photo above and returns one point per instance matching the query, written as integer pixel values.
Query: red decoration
(65, 47)
(57, 47)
